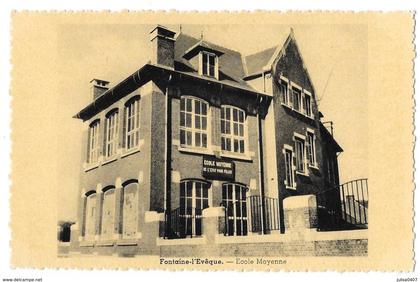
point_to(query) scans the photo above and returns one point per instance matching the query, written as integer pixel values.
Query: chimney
(98, 87)
(163, 46)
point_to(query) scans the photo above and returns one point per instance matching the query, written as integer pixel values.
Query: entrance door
(234, 200)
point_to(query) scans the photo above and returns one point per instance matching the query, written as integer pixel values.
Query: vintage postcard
(210, 141)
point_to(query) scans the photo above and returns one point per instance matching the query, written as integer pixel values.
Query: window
(208, 64)
(193, 199)
(90, 216)
(307, 105)
(132, 123)
(234, 201)
(233, 129)
(129, 209)
(331, 170)
(310, 148)
(288, 158)
(111, 134)
(108, 212)
(284, 92)
(193, 122)
(297, 99)
(93, 142)
(300, 155)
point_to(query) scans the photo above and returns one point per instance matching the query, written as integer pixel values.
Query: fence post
(211, 223)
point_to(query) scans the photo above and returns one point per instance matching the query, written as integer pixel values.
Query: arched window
(111, 133)
(194, 197)
(233, 129)
(132, 123)
(90, 215)
(108, 213)
(194, 122)
(93, 146)
(130, 208)
(234, 201)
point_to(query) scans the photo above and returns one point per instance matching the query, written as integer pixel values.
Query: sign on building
(218, 169)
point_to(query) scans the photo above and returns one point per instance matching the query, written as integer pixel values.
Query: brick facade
(153, 170)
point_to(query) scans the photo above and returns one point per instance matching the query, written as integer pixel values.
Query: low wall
(301, 238)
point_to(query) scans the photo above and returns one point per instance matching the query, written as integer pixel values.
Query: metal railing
(344, 207)
(252, 219)
(183, 223)
(354, 201)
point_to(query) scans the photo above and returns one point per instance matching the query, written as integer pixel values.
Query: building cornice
(146, 73)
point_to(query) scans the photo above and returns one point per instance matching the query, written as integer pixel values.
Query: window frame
(289, 150)
(307, 108)
(193, 129)
(300, 139)
(183, 198)
(125, 186)
(234, 201)
(94, 142)
(90, 206)
(232, 136)
(134, 118)
(202, 61)
(299, 100)
(311, 143)
(112, 118)
(105, 192)
(284, 90)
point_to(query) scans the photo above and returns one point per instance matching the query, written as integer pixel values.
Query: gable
(289, 64)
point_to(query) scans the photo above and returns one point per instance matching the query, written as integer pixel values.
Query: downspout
(261, 161)
(168, 160)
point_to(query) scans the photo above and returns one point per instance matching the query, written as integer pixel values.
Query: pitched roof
(257, 61)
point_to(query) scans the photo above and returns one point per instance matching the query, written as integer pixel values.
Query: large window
(310, 145)
(208, 64)
(288, 163)
(193, 123)
(130, 209)
(300, 154)
(232, 129)
(108, 213)
(90, 216)
(193, 199)
(234, 201)
(132, 123)
(111, 133)
(93, 148)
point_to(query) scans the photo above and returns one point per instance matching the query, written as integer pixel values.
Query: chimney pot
(98, 87)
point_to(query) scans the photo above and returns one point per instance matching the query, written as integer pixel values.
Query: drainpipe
(261, 162)
(168, 160)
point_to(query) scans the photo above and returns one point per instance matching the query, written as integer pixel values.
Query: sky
(336, 57)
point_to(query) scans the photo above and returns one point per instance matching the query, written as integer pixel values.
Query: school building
(203, 146)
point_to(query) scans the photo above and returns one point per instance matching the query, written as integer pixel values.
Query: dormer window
(204, 56)
(208, 64)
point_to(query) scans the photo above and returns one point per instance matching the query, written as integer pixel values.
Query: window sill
(302, 173)
(130, 152)
(296, 111)
(127, 242)
(245, 156)
(110, 159)
(196, 151)
(88, 167)
(314, 167)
